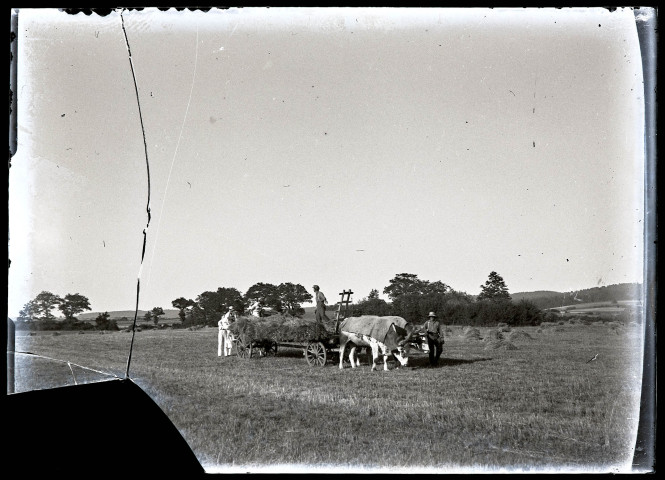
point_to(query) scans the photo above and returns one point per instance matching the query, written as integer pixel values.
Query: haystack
(500, 345)
(518, 335)
(470, 333)
(493, 335)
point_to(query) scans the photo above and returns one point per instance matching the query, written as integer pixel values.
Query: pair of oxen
(389, 335)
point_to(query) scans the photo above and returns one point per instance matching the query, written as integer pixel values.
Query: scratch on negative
(175, 153)
(147, 163)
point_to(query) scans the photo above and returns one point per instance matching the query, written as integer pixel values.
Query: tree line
(410, 297)
(38, 313)
(413, 299)
(206, 309)
(286, 298)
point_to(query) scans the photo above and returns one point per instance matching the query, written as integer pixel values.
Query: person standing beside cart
(224, 344)
(434, 332)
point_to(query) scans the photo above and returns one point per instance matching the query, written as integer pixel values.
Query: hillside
(611, 293)
(532, 295)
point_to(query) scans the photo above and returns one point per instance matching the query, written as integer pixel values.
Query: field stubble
(541, 407)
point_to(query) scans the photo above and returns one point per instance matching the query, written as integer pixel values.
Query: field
(530, 403)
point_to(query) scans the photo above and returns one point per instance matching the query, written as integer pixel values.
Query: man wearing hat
(321, 301)
(434, 332)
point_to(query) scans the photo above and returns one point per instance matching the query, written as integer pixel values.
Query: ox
(391, 335)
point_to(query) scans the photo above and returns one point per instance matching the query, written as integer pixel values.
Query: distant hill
(537, 294)
(620, 292)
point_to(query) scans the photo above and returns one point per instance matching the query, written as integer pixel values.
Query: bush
(372, 306)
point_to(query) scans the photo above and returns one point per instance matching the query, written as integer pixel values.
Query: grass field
(534, 404)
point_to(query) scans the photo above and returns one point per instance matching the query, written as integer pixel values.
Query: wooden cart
(317, 350)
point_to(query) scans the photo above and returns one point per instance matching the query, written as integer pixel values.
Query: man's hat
(315, 287)
(431, 314)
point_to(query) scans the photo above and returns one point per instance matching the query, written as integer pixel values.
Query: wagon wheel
(243, 348)
(316, 354)
(269, 349)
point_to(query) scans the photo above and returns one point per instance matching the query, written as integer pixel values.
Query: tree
(29, 312)
(372, 306)
(292, 296)
(495, 289)
(182, 304)
(45, 302)
(102, 320)
(73, 304)
(211, 305)
(374, 293)
(267, 293)
(410, 284)
(403, 284)
(436, 287)
(230, 297)
(147, 317)
(155, 313)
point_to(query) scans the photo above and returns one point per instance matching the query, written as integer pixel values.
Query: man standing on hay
(224, 343)
(321, 301)
(434, 332)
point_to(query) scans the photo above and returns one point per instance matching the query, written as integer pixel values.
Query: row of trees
(413, 298)
(37, 314)
(207, 308)
(42, 306)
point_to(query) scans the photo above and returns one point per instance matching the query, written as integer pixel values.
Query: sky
(329, 146)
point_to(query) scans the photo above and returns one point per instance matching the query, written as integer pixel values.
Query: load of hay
(281, 328)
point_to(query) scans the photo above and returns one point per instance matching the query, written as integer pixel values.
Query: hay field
(522, 399)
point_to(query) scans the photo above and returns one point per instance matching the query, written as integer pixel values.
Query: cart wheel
(270, 349)
(315, 354)
(244, 349)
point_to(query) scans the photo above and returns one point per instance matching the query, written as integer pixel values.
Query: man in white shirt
(224, 344)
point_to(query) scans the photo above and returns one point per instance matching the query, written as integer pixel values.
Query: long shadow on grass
(414, 361)
(423, 362)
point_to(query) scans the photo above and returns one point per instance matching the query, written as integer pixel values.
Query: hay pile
(470, 333)
(518, 335)
(500, 345)
(281, 328)
(493, 335)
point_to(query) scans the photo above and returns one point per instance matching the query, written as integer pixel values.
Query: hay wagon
(317, 342)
